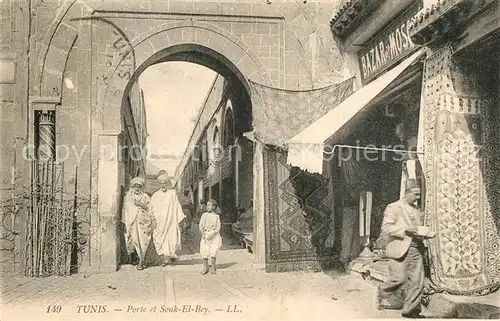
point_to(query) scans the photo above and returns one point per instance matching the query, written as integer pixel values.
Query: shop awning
(305, 150)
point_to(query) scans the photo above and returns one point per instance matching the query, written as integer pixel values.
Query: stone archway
(269, 44)
(166, 39)
(113, 71)
(211, 47)
(217, 49)
(304, 35)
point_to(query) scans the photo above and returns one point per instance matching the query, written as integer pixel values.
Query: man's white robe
(167, 210)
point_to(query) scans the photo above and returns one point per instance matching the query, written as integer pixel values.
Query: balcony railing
(351, 15)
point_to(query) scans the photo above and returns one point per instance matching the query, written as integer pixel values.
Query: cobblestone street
(255, 294)
(239, 291)
(155, 291)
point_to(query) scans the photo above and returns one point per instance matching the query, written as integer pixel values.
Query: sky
(173, 93)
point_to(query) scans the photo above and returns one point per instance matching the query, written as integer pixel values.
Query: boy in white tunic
(211, 240)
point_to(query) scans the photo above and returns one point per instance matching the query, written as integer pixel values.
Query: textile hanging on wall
(280, 114)
(461, 153)
(299, 221)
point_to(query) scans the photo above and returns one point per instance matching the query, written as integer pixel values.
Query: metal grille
(49, 225)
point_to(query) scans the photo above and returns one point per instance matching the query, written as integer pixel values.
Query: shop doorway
(374, 164)
(228, 202)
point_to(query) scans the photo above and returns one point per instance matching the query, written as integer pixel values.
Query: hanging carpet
(279, 114)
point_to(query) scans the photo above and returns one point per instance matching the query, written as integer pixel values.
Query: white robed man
(167, 210)
(138, 223)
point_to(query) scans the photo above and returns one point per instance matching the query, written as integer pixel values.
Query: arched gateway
(93, 52)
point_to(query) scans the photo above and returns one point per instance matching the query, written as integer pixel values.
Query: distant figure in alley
(167, 210)
(202, 208)
(402, 224)
(137, 222)
(188, 209)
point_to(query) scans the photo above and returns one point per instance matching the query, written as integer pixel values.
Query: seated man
(244, 225)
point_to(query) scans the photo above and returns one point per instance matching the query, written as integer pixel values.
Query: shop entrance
(373, 163)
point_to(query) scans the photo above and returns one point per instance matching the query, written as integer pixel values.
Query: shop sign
(389, 46)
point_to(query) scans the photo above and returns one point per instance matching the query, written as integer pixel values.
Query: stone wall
(295, 31)
(13, 102)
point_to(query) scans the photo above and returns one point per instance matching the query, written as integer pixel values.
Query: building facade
(78, 60)
(69, 78)
(218, 163)
(427, 85)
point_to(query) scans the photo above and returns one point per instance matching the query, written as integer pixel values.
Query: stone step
(465, 307)
(441, 305)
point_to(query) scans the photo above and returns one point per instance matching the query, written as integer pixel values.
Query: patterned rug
(463, 199)
(298, 219)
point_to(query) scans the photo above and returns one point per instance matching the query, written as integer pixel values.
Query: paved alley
(236, 292)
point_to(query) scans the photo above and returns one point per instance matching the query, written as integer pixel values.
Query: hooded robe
(138, 223)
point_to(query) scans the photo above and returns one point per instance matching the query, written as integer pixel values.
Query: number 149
(54, 309)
